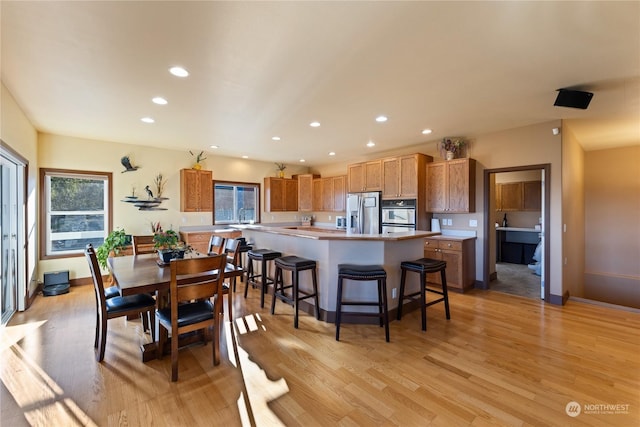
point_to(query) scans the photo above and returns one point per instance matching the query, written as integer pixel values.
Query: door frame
(488, 226)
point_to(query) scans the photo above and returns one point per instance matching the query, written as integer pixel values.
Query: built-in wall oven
(398, 215)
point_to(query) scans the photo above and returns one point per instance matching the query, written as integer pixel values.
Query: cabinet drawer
(197, 237)
(430, 243)
(452, 245)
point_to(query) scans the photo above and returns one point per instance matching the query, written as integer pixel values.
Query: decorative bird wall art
(126, 162)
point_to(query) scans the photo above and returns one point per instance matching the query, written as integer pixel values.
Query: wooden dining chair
(143, 245)
(231, 271)
(117, 306)
(194, 282)
(216, 244)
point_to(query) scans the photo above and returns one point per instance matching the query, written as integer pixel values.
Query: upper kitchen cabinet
(365, 176)
(404, 177)
(280, 194)
(196, 190)
(329, 194)
(519, 196)
(339, 193)
(305, 192)
(451, 186)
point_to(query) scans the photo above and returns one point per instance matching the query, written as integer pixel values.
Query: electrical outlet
(329, 217)
(473, 223)
(394, 293)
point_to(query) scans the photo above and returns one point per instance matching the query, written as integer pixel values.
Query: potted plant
(452, 147)
(113, 244)
(168, 245)
(199, 157)
(281, 167)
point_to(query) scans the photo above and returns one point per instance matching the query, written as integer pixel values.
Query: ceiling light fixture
(147, 120)
(275, 138)
(178, 71)
(426, 131)
(159, 100)
(371, 144)
(302, 160)
(214, 146)
(332, 153)
(314, 124)
(245, 157)
(381, 119)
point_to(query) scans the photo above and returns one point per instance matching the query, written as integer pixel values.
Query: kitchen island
(330, 247)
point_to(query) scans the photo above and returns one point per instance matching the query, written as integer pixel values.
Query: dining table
(146, 274)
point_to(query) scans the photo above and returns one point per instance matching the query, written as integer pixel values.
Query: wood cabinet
(460, 255)
(519, 196)
(199, 240)
(365, 176)
(317, 194)
(403, 177)
(329, 194)
(280, 194)
(305, 192)
(451, 186)
(196, 190)
(339, 193)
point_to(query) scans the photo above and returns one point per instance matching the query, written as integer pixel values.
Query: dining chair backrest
(196, 278)
(231, 250)
(143, 245)
(216, 244)
(96, 276)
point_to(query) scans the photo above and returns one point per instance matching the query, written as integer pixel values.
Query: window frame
(255, 185)
(45, 199)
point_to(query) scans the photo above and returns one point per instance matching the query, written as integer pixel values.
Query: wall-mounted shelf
(146, 204)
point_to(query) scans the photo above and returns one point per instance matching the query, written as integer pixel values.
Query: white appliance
(398, 215)
(363, 213)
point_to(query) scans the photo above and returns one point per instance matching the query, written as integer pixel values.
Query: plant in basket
(168, 245)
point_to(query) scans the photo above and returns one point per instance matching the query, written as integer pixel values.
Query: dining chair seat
(111, 291)
(188, 314)
(128, 303)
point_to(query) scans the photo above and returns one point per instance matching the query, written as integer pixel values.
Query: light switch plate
(473, 223)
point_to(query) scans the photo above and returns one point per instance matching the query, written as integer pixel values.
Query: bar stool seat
(263, 256)
(295, 264)
(424, 266)
(358, 272)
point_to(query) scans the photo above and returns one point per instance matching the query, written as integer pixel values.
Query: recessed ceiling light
(314, 124)
(147, 120)
(426, 131)
(332, 153)
(302, 160)
(214, 146)
(245, 157)
(159, 100)
(178, 71)
(275, 138)
(381, 119)
(370, 144)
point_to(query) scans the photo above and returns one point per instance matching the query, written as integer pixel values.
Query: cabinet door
(373, 175)
(436, 187)
(511, 196)
(291, 195)
(327, 194)
(317, 195)
(339, 193)
(459, 183)
(355, 177)
(454, 268)
(305, 193)
(532, 195)
(206, 191)
(390, 178)
(408, 176)
(196, 190)
(273, 194)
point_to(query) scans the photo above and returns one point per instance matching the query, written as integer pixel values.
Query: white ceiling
(259, 69)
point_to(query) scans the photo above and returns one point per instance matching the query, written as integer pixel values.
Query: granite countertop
(528, 230)
(452, 237)
(319, 233)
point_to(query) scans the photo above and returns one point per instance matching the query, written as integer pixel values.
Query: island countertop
(319, 233)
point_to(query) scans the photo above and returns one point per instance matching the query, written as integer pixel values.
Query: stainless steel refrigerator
(364, 213)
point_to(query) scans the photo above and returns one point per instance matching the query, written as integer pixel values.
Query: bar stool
(264, 256)
(295, 265)
(424, 266)
(363, 273)
(243, 249)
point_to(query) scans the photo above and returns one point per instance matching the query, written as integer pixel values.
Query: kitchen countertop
(451, 237)
(318, 233)
(528, 230)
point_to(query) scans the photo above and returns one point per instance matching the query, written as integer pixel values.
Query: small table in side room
(138, 274)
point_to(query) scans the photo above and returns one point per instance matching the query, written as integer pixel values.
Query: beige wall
(64, 152)
(573, 244)
(17, 132)
(612, 226)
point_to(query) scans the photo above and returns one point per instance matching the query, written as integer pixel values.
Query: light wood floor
(500, 360)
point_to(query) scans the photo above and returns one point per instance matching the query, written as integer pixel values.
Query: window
(76, 210)
(236, 202)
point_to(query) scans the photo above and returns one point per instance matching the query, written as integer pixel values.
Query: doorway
(516, 254)
(12, 232)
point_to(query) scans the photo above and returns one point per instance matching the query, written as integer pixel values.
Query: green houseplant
(113, 244)
(169, 245)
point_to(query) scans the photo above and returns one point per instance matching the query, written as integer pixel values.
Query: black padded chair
(117, 306)
(424, 266)
(361, 273)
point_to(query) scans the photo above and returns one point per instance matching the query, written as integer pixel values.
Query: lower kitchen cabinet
(199, 240)
(460, 255)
